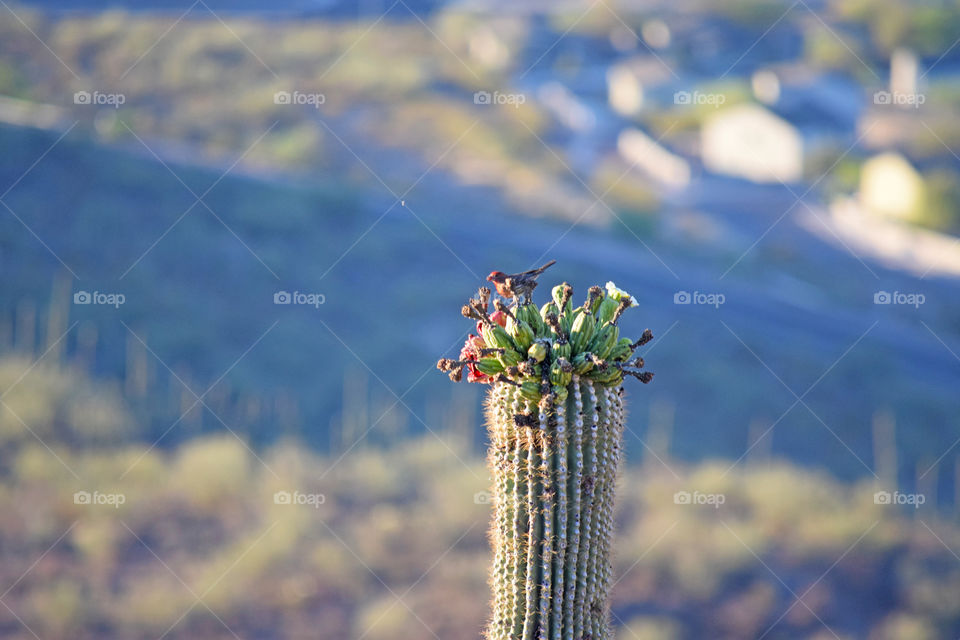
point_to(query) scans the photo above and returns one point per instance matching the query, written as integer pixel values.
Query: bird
(517, 285)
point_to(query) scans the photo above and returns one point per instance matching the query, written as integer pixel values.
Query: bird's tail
(544, 267)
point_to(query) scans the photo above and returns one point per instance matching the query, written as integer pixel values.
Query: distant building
(890, 186)
(766, 86)
(23, 113)
(883, 128)
(904, 74)
(750, 141)
(628, 83)
(648, 155)
(656, 34)
(488, 48)
(624, 90)
(566, 107)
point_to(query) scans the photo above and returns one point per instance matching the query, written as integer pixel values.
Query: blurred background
(235, 238)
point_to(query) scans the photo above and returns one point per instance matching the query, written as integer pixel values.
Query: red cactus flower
(471, 351)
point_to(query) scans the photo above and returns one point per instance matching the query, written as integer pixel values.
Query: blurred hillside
(199, 311)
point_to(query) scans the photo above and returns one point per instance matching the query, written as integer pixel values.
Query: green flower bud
(510, 358)
(560, 393)
(557, 294)
(607, 308)
(537, 351)
(604, 340)
(582, 363)
(530, 390)
(582, 331)
(622, 350)
(597, 302)
(610, 377)
(559, 377)
(547, 309)
(566, 321)
(521, 333)
(496, 336)
(531, 315)
(489, 366)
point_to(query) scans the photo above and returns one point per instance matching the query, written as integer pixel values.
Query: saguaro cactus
(555, 417)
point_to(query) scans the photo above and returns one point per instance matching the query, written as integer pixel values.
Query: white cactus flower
(618, 294)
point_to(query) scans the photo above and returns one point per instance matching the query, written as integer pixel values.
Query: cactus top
(539, 349)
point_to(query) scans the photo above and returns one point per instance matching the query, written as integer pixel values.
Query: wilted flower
(497, 316)
(471, 352)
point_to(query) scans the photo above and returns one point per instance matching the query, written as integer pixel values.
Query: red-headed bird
(517, 285)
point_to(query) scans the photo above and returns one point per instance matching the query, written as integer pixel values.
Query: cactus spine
(555, 418)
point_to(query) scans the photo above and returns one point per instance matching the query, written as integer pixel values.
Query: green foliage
(929, 28)
(844, 173)
(57, 404)
(824, 49)
(941, 209)
(759, 14)
(650, 628)
(271, 568)
(202, 519)
(627, 195)
(12, 82)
